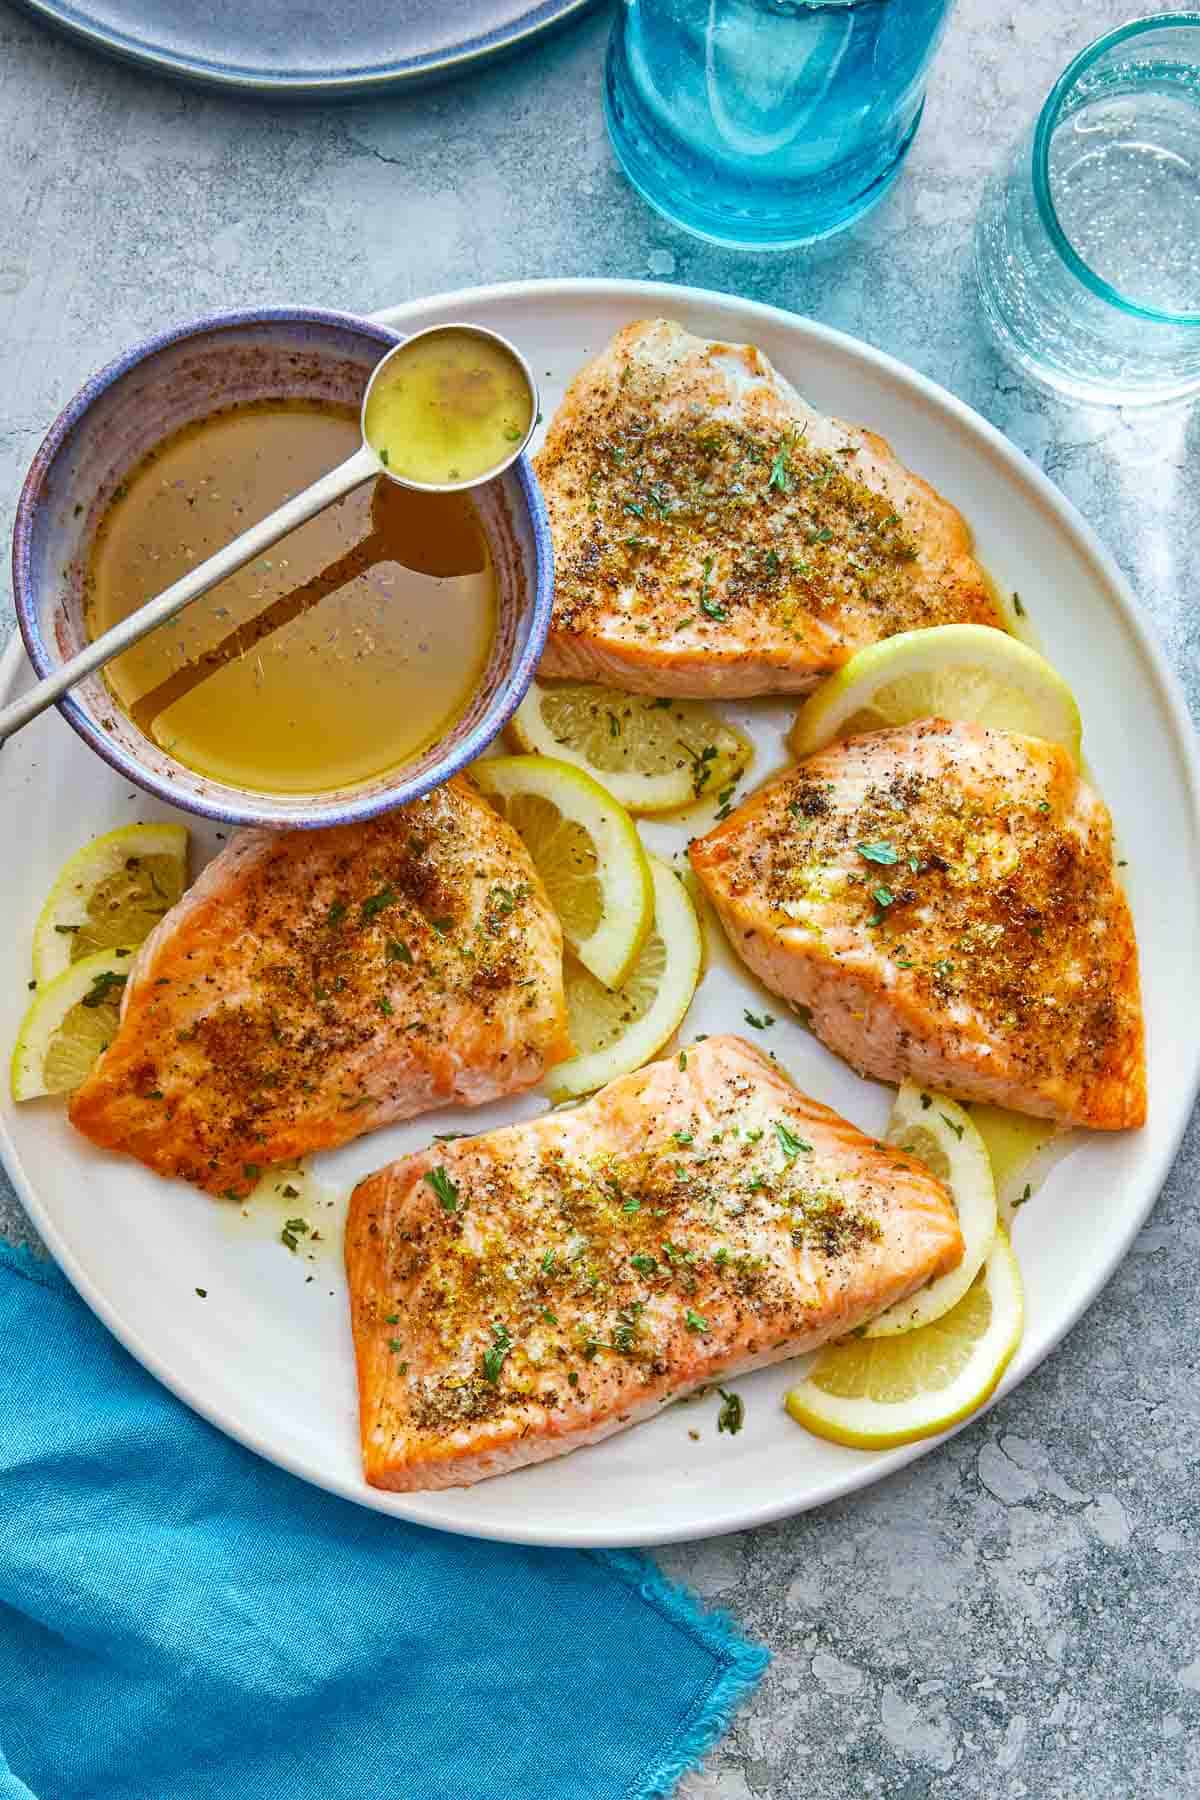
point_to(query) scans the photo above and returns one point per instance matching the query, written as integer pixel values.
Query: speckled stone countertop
(1018, 1613)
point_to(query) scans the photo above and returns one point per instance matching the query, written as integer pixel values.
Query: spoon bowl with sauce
(367, 646)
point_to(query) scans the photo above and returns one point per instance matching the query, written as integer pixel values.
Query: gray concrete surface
(1019, 1613)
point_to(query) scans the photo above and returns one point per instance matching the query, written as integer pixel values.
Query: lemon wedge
(68, 1024)
(874, 1393)
(617, 1030)
(587, 851)
(971, 672)
(110, 895)
(652, 755)
(942, 1136)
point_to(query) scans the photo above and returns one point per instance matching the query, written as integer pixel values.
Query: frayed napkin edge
(740, 1667)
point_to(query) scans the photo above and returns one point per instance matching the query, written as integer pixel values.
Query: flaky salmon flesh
(521, 1293)
(314, 985)
(942, 900)
(714, 535)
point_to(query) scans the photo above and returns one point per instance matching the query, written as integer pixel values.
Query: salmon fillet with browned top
(315, 985)
(942, 900)
(714, 535)
(537, 1288)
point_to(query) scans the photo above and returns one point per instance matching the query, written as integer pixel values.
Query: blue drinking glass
(763, 124)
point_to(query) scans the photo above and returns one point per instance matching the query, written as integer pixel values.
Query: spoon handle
(351, 474)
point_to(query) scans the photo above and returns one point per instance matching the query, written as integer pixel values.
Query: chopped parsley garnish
(683, 1059)
(1018, 606)
(720, 1257)
(779, 477)
(1024, 1197)
(883, 896)
(683, 1138)
(494, 1356)
(384, 458)
(293, 1231)
(632, 1206)
(548, 1262)
(695, 1321)
(252, 1171)
(926, 1102)
(105, 985)
(443, 1187)
(290, 1192)
(708, 605)
(385, 1006)
(391, 1319)
(758, 1024)
(203, 1293)
(732, 1415)
(376, 903)
(956, 1129)
(336, 913)
(398, 951)
(442, 926)
(645, 1265)
(614, 725)
(789, 1143)
(880, 852)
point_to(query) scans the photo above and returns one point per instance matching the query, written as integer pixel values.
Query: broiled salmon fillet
(713, 535)
(942, 899)
(314, 985)
(540, 1287)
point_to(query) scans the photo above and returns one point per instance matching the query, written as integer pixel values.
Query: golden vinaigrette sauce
(448, 408)
(346, 650)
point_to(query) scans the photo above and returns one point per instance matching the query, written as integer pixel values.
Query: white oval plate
(267, 1356)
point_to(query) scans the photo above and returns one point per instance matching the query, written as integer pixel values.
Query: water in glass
(1088, 247)
(767, 123)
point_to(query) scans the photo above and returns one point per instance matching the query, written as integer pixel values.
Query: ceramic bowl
(129, 408)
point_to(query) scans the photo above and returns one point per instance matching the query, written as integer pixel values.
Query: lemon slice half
(942, 1136)
(874, 1393)
(617, 1030)
(586, 850)
(652, 755)
(970, 672)
(70, 1022)
(110, 895)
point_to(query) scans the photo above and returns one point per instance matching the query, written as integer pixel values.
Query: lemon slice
(68, 1024)
(948, 672)
(586, 850)
(110, 895)
(943, 1137)
(652, 755)
(617, 1030)
(873, 1393)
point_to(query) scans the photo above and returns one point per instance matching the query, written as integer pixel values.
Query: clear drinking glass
(1087, 250)
(767, 123)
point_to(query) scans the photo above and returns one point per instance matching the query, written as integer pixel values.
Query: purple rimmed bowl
(184, 375)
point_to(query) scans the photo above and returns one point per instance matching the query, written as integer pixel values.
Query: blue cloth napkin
(180, 1620)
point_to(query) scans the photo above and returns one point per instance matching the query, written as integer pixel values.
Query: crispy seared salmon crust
(942, 898)
(537, 1288)
(713, 535)
(314, 985)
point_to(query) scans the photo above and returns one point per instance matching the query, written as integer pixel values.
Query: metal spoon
(362, 466)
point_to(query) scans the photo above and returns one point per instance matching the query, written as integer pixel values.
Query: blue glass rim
(1049, 117)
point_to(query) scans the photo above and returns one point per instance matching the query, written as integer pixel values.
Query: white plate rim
(1177, 719)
